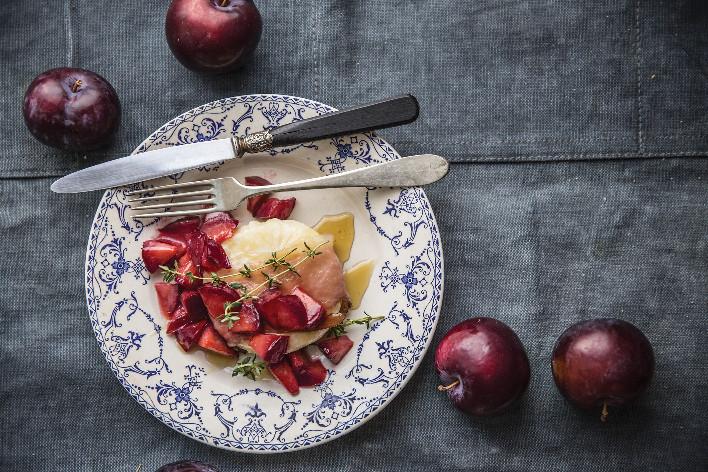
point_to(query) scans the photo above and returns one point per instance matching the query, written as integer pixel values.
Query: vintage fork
(227, 193)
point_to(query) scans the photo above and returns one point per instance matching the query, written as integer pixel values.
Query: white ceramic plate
(194, 393)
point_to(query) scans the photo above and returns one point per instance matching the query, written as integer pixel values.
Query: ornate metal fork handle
(409, 171)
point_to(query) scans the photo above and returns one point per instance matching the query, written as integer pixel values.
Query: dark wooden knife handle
(378, 115)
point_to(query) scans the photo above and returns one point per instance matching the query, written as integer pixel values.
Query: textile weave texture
(600, 110)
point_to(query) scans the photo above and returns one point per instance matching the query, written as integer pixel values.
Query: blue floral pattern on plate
(197, 397)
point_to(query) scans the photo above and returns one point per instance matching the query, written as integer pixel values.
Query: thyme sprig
(170, 273)
(230, 315)
(341, 328)
(311, 253)
(249, 366)
(275, 262)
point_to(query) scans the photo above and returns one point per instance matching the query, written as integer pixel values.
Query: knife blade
(172, 160)
(146, 165)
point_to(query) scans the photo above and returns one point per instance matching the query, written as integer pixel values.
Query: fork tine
(174, 213)
(172, 195)
(171, 205)
(200, 183)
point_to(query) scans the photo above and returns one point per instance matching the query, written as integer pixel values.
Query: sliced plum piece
(167, 298)
(257, 181)
(185, 266)
(156, 253)
(215, 297)
(212, 341)
(275, 208)
(196, 247)
(192, 302)
(266, 296)
(315, 311)
(335, 348)
(182, 227)
(179, 319)
(187, 466)
(309, 372)
(176, 241)
(269, 347)
(219, 226)
(254, 203)
(285, 375)
(214, 257)
(285, 312)
(188, 334)
(249, 320)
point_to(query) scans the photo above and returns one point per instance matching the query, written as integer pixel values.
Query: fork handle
(408, 171)
(377, 115)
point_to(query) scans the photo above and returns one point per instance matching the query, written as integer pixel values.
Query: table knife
(171, 160)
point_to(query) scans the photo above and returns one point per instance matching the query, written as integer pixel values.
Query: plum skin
(602, 362)
(213, 36)
(487, 359)
(72, 109)
(187, 466)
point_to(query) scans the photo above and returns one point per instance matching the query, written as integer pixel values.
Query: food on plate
(602, 363)
(190, 333)
(275, 208)
(212, 341)
(357, 281)
(341, 227)
(219, 226)
(483, 366)
(71, 109)
(266, 207)
(308, 371)
(260, 292)
(285, 375)
(213, 35)
(253, 203)
(335, 347)
(254, 244)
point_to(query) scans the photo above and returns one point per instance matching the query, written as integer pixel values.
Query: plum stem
(445, 388)
(77, 84)
(605, 413)
(223, 3)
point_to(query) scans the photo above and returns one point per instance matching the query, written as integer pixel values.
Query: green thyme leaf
(246, 271)
(341, 328)
(168, 274)
(249, 367)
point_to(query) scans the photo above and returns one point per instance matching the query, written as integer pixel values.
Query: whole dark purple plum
(602, 363)
(483, 366)
(213, 35)
(187, 466)
(71, 109)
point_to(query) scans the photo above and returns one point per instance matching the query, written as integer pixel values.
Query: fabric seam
(537, 159)
(69, 34)
(638, 63)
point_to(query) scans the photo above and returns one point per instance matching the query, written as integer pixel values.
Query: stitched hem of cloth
(582, 156)
(537, 158)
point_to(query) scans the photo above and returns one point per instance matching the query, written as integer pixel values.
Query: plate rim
(435, 230)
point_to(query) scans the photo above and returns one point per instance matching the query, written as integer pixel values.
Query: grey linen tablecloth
(588, 232)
